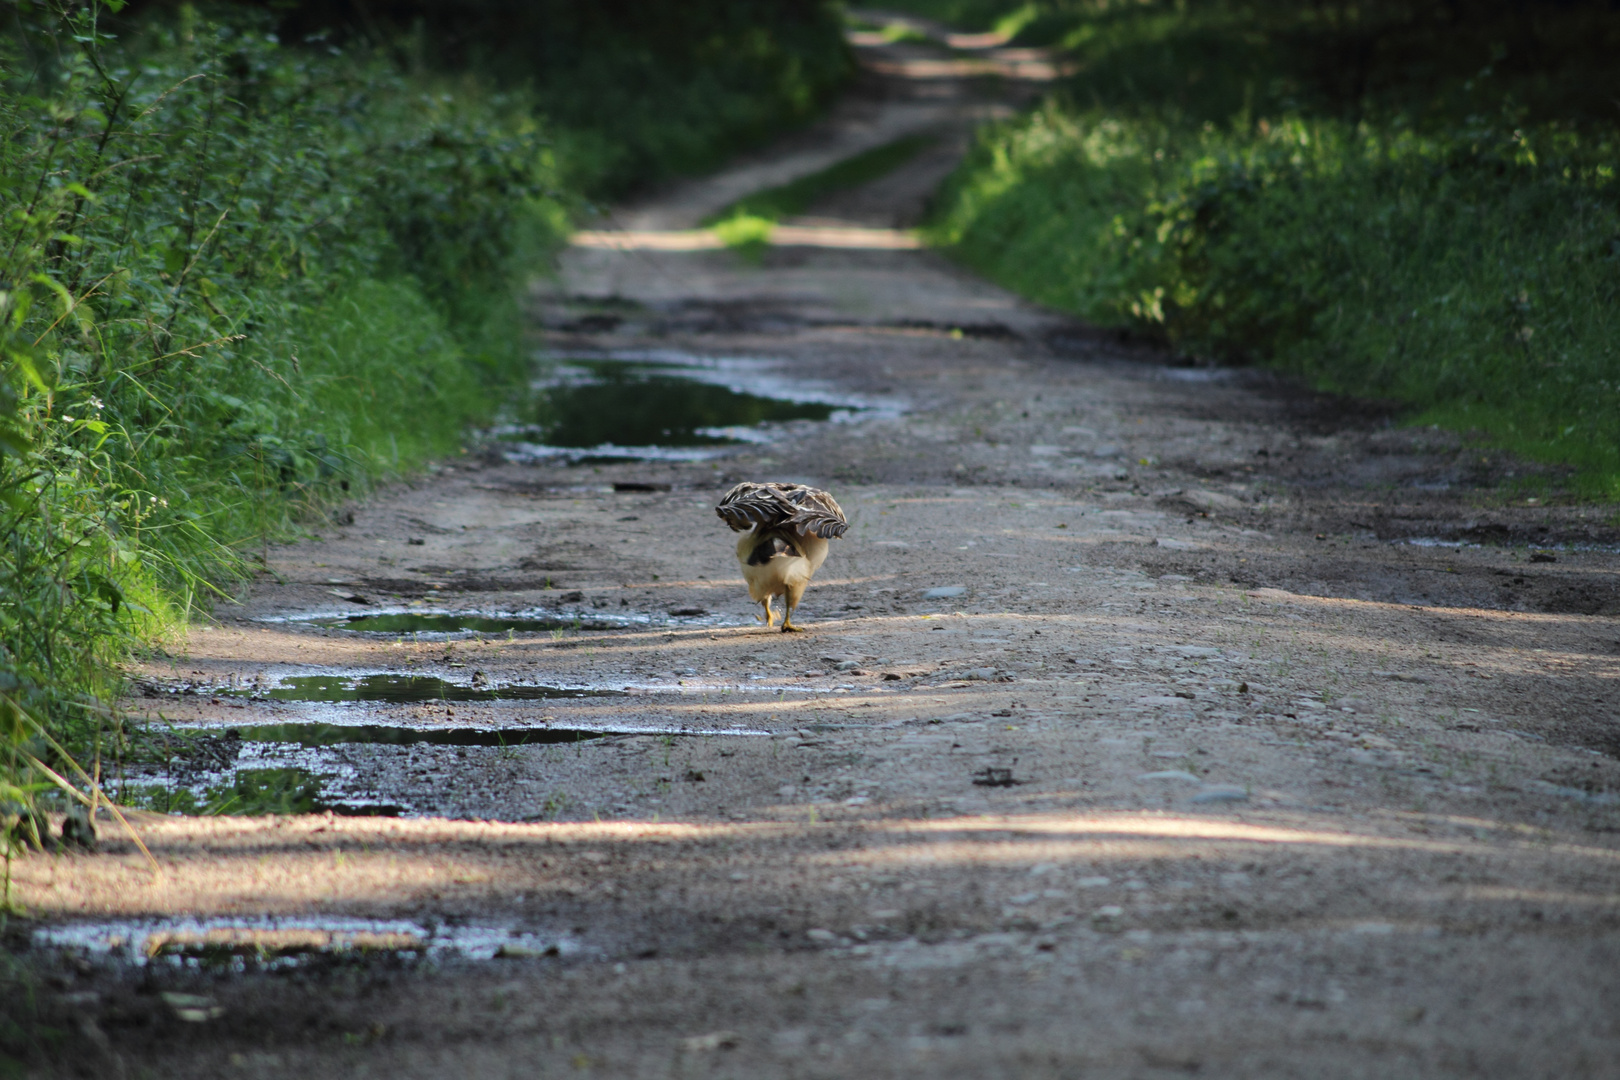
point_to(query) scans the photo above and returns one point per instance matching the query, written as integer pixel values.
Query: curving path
(1151, 720)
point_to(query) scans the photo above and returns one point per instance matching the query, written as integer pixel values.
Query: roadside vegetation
(255, 258)
(747, 224)
(1400, 200)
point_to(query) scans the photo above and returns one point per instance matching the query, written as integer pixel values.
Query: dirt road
(1150, 720)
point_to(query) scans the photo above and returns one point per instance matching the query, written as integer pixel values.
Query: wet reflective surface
(403, 690)
(458, 624)
(233, 943)
(389, 735)
(653, 405)
(667, 405)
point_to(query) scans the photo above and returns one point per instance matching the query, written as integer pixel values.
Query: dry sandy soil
(1208, 768)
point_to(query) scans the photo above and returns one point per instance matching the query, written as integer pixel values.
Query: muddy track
(1151, 720)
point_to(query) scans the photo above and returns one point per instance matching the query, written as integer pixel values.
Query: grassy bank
(240, 279)
(1385, 202)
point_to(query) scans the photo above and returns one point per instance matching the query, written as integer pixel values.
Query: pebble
(1093, 882)
(944, 592)
(821, 937)
(1171, 774)
(1222, 793)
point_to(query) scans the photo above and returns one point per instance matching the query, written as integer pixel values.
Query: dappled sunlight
(843, 237)
(1150, 826)
(1023, 65)
(290, 865)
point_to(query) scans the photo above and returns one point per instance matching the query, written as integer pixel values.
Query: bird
(785, 531)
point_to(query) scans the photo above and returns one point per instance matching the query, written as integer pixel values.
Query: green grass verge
(1215, 177)
(786, 200)
(241, 280)
(746, 224)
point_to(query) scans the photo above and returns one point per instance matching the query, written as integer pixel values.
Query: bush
(233, 277)
(1462, 263)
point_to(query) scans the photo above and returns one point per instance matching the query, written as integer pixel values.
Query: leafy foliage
(238, 278)
(1458, 255)
(233, 277)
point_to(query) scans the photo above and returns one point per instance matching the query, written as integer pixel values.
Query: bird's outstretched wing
(769, 506)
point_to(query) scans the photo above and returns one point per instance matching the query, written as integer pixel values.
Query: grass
(747, 224)
(786, 200)
(1384, 202)
(241, 281)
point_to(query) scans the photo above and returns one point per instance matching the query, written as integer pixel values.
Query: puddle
(410, 623)
(253, 792)
(402, 690)
(396, 735)
(239, 944)
(440, 623)
(666, 405)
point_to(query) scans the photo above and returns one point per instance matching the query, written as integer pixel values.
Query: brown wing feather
(766, 506)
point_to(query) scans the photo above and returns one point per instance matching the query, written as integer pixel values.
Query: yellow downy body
(784, 574)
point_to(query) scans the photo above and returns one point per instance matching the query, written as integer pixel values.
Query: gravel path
(1150, 720)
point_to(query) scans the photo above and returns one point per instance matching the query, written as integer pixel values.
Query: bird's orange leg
(792, 602)
(769, 618)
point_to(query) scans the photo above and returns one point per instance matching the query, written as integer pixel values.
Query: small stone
(1171, 774)
(702, 1044)
(192, 1008)
(1024, 898)
(1093, 882)
(510, 951)
(944, 592)
(1195, 651)
(1222, 793)
(991, 776)
(821, 937)
(78, 830)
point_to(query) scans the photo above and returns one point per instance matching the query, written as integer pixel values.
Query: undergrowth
(240, 279)
(1387, 199)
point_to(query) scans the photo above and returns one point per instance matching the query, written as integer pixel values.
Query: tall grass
(1475, 279)
(240, 278)
(1386, 202)
(234, 278)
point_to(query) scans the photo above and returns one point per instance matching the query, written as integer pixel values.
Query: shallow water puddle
(397, 735)
(666, 405)
(403, 690)
(235, 943)
(407, 623)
